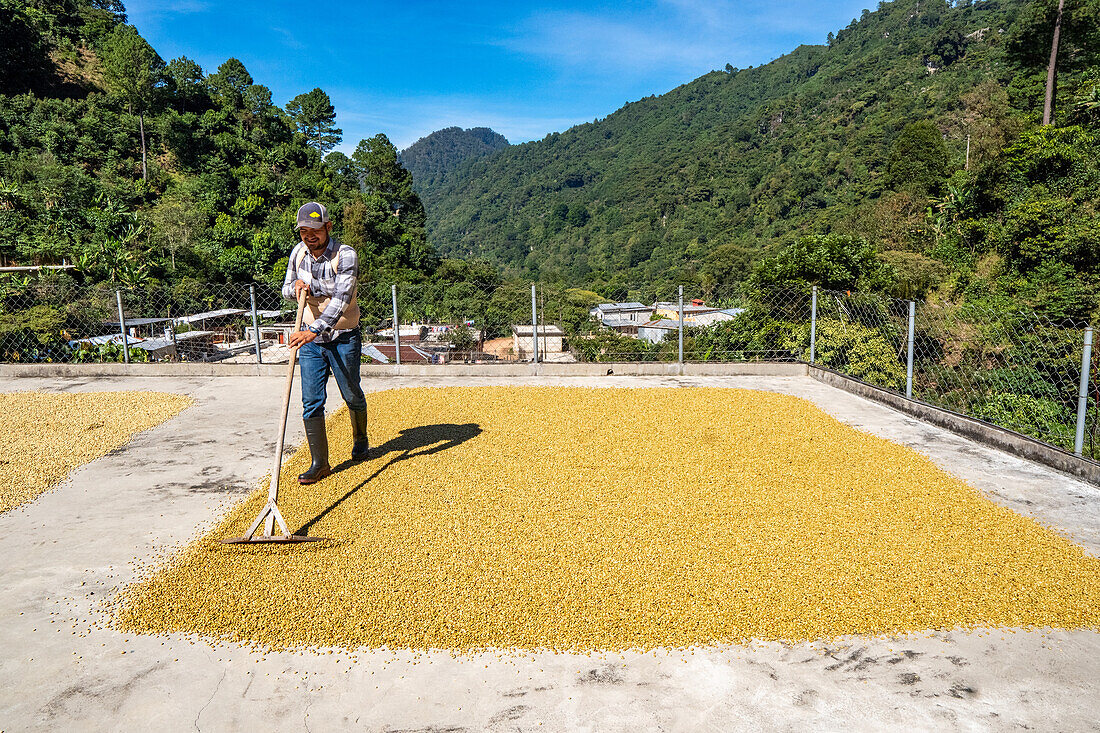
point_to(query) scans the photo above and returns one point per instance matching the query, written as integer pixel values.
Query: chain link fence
(1012, 368)
(54, 320)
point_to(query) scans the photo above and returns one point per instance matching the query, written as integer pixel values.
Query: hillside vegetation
(825, 165)
(146, 172)
(434, 156)
(866, 136)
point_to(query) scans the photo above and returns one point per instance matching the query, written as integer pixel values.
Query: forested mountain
(860, 136)
(431, 157)
(142, 171)
(145, 172)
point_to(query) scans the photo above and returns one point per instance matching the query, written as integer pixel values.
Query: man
(331, 342)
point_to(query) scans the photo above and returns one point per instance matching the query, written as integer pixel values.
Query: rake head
(270, 539)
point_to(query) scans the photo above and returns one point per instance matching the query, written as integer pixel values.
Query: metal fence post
(534, 326)
(396, 327)
(122, 328)
(909, 350)
(255, 323)
(1083, 394)
(680, 358)
(813, 325)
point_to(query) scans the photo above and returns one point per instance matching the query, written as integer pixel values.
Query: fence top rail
(963, 309)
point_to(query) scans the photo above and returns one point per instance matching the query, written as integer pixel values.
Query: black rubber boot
(317, 438)
(360, 446)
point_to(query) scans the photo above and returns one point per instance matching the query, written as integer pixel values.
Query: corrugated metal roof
(137, 322)
(371, 351)
(687, 307)
(160, 342)
(105, 339)
(409, 354)
(632, 305)
(211, 314)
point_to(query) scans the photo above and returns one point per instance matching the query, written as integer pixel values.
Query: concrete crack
(215, 692)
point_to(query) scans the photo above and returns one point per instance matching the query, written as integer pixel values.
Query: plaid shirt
(325, 282)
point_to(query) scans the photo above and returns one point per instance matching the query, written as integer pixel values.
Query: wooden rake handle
(276, 469)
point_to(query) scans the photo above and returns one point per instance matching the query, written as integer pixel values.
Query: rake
(270, 515)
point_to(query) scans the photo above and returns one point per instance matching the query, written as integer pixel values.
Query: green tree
(577, 216)
(1048, 99)
(862, 352)
(1030, 39)
(831, 261)
(177, 223)
(24, 55)
(381, 174)
(948, 46)
(918, 158)
(133, 71)
(387, 221)
(184, 83)
(315, 118)
(228, 85)
(342, 168)
(1049, 39)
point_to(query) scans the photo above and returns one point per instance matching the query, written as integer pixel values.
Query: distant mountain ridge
(732, 161)
(432, 157)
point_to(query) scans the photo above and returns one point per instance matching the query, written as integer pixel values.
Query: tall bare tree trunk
(144, 169)
(1048, 103)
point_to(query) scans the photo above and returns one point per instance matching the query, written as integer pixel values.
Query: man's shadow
(423, 440)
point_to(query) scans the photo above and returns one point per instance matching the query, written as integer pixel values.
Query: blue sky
(523, 68)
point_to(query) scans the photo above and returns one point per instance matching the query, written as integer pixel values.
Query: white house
(655, 331)
(614, 315)
(550, 342)
(711, 317)
(407, 332)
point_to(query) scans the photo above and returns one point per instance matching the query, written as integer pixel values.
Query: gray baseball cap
(312, 215)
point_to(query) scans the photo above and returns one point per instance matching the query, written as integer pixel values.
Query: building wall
(522, 345)
(654, 335)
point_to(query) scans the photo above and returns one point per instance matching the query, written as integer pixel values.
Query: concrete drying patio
(60, 555)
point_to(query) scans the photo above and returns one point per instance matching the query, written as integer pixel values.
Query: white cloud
(582, 40)
(290, 40)
(677, 36)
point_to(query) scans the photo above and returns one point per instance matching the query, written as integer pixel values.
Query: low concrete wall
(195, 369)
(983, 432)
(1007, 440)
(158, 369)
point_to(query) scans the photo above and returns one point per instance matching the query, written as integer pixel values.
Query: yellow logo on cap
(315, 215)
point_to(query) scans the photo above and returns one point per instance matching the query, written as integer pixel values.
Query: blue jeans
(340, 358)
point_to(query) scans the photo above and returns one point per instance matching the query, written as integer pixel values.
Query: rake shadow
(423, 440)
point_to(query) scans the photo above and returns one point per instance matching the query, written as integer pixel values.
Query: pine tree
(228, 85)
(314, 115)
(390, 216)
(133, 70)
